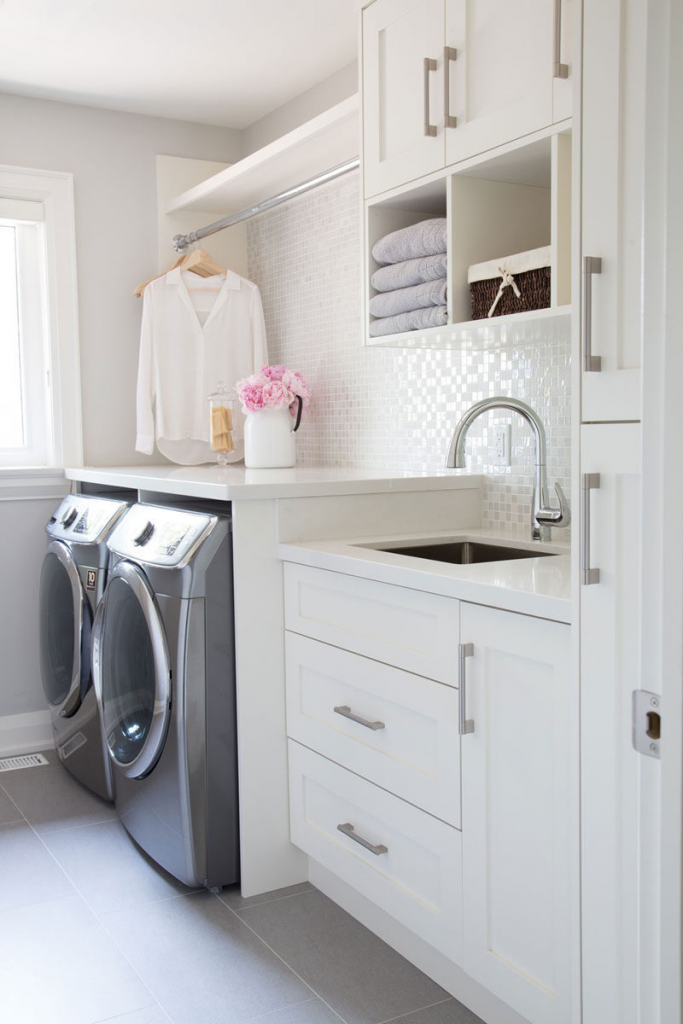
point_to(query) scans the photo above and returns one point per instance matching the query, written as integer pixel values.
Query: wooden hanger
(199, 262)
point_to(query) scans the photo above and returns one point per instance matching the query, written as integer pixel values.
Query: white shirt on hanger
(185, 352)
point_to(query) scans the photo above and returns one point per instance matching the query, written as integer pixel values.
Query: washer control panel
(82, 519)
(160, 536)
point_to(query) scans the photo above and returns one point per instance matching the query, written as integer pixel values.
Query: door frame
(662, 538)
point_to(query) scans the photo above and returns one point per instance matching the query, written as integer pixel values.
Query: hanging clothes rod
(181, 242)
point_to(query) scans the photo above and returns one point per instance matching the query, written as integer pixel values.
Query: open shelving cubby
(508, 203)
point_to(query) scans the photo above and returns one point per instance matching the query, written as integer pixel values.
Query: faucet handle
(555, 516)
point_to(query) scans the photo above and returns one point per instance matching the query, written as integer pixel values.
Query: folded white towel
(426, 238)
(410, 272)
(403, 300)
(416, 320)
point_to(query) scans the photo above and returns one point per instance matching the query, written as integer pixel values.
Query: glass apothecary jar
(222, 404)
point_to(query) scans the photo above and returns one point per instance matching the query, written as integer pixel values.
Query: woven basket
(531, 274)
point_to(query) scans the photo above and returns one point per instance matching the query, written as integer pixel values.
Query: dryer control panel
(82, 519)
(154, 535)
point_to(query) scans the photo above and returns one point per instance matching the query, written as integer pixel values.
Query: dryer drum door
(65, 621)
(131, 671)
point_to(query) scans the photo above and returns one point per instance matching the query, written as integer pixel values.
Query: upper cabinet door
(613, 125)
(403, 100)
(501, 73)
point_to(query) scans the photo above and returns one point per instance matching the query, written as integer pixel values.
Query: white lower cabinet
(401, 858)
(518, 790)
(391, 727)
(470, 841)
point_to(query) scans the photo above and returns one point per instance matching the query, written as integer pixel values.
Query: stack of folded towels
(412, 280)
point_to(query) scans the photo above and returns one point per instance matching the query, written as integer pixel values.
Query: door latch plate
(647, 722)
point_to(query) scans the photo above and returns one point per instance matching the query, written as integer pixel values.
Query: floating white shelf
(327, 140)
(471, 335)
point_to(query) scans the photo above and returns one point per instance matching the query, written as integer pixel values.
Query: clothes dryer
(164, 670)
(71, 584)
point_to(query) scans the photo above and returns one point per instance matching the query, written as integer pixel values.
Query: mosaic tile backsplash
(396, 408)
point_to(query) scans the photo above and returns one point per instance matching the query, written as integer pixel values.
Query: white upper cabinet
(445, 80)
(500, 72)
(403, 128)
(613, 120)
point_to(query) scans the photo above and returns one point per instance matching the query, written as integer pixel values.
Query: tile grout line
(282, 960)
(264, 903)
(420, 1009)
(105, 929)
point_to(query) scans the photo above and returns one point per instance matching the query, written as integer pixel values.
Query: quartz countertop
(533, 586)
(236, 483)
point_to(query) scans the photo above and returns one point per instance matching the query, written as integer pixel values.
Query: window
(40, 424)
(25, 426)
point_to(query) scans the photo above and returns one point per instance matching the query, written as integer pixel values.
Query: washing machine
(71, 585)
(164, 671)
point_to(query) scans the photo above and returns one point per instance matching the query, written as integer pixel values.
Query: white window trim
(55, 190)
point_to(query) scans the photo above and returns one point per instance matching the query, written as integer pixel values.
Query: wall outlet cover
(501, 445)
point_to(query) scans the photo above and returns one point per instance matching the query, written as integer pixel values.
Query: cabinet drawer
(414, 873)
(409, 743)
(402, 627)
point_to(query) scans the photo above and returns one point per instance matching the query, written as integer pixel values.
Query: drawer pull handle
(345, 711)
(429, 64)
(465, 724)
(348, 830)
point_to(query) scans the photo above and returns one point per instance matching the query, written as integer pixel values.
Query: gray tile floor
(92, 931)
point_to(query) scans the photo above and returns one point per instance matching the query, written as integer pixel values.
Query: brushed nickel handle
(465, 724)
(449, 53)
(559, 70)
(589, 482)
(429, 65)
(345, 711)
(348, 830)
(591, 265)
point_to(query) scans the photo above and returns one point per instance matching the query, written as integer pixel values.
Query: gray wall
(113, 159)
(332, 90)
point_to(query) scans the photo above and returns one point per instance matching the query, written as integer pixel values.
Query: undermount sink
(460, 552)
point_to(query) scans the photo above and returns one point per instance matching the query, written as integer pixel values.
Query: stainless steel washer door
(64, 622)
(132, 672)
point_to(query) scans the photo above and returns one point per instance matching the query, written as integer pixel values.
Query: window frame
(54, 189)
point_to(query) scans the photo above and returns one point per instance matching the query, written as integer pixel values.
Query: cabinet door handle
(429, 65)
(465, 724)
(348, 830)
(591, 265)
(559, 70)
(345, 711)
(589, 482)
(449, 54)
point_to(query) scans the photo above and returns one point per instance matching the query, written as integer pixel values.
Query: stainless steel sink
(460, 552)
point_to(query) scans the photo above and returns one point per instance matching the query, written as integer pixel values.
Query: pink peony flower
(275, 387)
(276, 395)
(293, 380)
(251, 397)
(274, 372)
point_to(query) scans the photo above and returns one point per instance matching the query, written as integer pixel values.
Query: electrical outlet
(501, 445)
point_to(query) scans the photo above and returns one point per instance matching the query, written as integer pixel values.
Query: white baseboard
(25, 734)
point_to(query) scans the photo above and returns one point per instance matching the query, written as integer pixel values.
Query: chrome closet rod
(181, 242)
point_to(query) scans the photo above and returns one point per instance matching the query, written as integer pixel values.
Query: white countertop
(533, 586)
(236, 483)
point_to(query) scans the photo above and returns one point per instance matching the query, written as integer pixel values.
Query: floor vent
(10, 764)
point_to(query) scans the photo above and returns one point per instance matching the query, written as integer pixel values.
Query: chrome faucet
(543, 515)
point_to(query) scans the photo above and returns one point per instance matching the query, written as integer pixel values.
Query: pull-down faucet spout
(543, 515)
